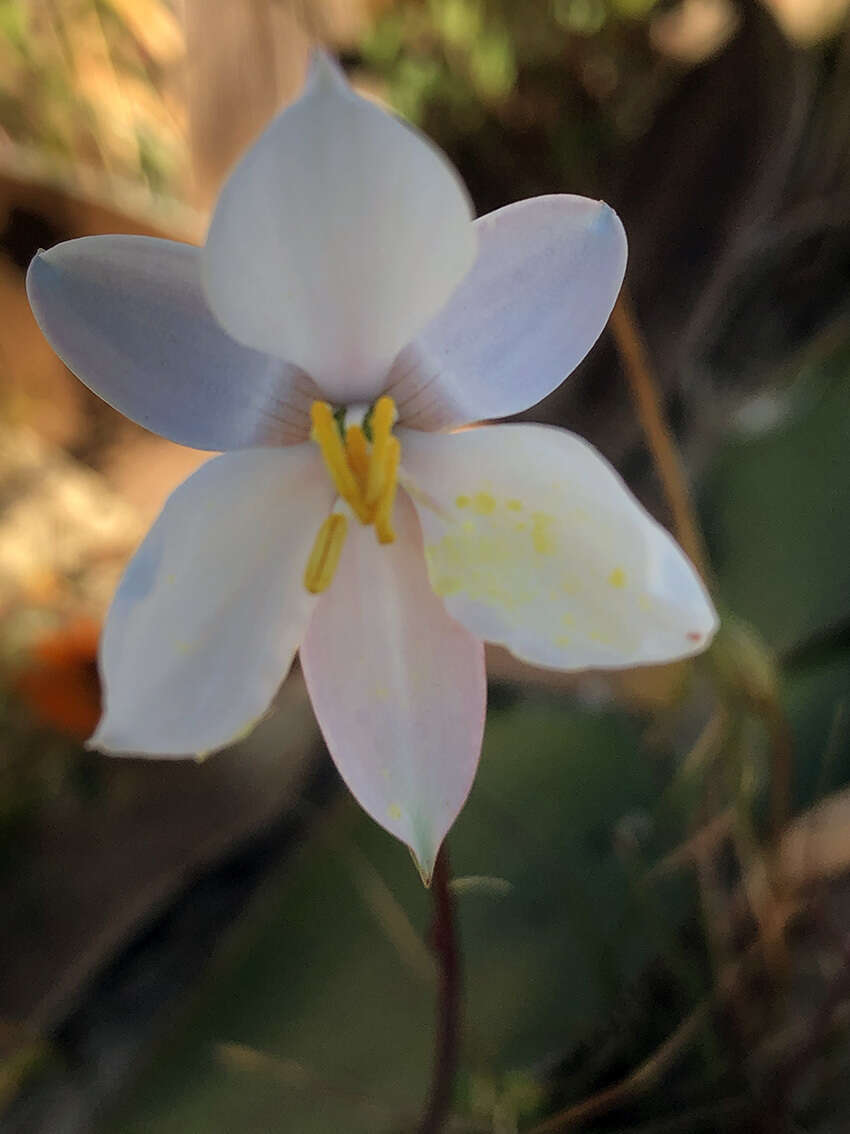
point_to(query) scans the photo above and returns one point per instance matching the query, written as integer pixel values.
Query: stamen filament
(326, 435)
(383, 418)
(357, 451)
(324, 558)
(384, 509)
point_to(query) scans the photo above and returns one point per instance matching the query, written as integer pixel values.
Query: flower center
(362, 461)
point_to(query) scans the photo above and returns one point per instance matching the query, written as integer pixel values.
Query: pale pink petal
(534, 542)
(398, 687)
(212, 607)
(542, 287)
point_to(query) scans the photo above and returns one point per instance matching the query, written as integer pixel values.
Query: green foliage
(778, 516)
(317, 976)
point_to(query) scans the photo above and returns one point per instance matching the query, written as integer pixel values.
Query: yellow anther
(357, 451)
(384, 509)
(324, 558)
(326, 435)
(383, 419)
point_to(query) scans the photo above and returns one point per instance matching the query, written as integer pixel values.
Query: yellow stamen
(383, 418)
(324, 558)
(364, 477)
(326, 435)
(384, 508)
(357, 451)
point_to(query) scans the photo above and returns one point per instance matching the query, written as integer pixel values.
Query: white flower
(344, 292)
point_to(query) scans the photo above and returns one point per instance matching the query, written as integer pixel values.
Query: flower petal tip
(34, 277)
(104, 740)
(325, 72)
(606, 224)
(704, 629)
(607, 217)
(425, 865)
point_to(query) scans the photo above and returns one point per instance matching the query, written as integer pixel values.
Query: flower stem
(644, 388)
(446, 947)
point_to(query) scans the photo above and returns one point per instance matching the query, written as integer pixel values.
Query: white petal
(336, 238)
(212, 608)
(534, 542)
(547, 274)
(127, 315)
(398, 687)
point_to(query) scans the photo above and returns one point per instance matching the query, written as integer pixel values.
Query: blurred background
(653, 870)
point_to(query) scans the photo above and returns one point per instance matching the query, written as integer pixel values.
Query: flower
(344, 314)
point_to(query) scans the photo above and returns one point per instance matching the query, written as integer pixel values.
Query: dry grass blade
(665, 455)
(291, 1073)
(644, 1076)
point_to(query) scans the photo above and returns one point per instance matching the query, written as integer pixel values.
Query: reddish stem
(445, 945)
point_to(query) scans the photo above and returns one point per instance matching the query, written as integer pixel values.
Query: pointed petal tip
(607, 225)
(94, 743)
(107, 741)
(606, 215)
(705, 627)
(110, 739)
(356, 292)
(424, 864)
(325, 72)
(34, 275)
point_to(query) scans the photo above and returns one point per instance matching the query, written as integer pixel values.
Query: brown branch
(640, 1080)
(644, 389)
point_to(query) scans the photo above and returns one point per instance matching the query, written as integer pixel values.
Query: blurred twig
(645, 391)
(704, 1117)
(240, 1057)
(389, 913)
(644, 1076)
(792, 1069)
(705, 840)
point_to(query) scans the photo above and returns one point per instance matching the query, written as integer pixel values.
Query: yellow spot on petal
(644, 602)
(541, 536)
(462, 501)
(381, 692)
(569, 586)
(447, 585)
(484, 503)
(563, 640)
(394, 812)
(514, 505)
(567, 619)
(617, 578)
